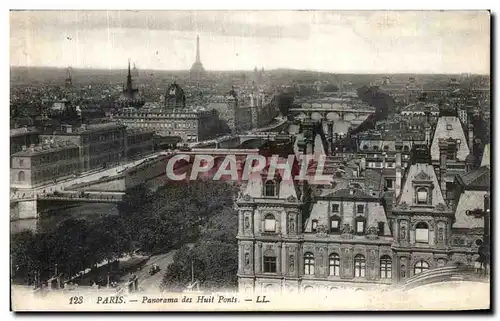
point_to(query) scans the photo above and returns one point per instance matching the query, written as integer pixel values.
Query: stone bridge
(317, 112)
(439, 275)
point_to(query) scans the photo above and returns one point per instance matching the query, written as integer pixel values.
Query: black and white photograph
(250, 160)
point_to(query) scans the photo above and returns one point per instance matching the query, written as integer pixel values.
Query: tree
(214, 257)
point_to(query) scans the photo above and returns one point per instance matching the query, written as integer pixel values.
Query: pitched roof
(449, 127)
(420, 172)
(485, 161)
(469, 200)
(346, 193)
(480, 177)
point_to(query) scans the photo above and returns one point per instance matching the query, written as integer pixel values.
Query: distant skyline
(447, 42)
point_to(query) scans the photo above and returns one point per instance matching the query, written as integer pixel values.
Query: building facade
(174, 118)
(296, 237)
(35, 165)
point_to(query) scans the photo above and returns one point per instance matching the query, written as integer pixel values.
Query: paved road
(152, 282)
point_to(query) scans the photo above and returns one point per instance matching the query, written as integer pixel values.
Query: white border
(190, 4)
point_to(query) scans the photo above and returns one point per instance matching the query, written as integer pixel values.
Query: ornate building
(174, 119)
(130, 96)
(297, 237)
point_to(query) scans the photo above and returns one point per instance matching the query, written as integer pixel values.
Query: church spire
(198, 49)
(129, 78)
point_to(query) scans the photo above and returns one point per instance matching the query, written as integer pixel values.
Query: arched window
(269, 223)
(422, 233)
(365, 147)
(385, 267)
(386, 147)
(270, 188)
(21, 176)
(359, 266)
(334, 264)
(421, 266)
(309, 263)
(406, 148)
(422, 195)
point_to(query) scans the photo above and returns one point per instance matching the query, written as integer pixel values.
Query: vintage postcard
(250, 160)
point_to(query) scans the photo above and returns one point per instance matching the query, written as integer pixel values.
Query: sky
(331, 41)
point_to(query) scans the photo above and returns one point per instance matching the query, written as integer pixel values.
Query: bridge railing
(86, 196)
(421, 278)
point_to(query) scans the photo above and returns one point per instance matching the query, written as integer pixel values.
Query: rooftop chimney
(471, 138)
(443, 147)
(397, 183)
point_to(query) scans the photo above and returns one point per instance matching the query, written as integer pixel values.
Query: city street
(152, 282)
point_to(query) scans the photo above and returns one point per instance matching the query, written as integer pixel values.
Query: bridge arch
(316, 116)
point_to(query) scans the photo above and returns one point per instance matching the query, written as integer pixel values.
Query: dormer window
(422, 195)
(314, 226)
(270, 188)
(360, 225)
(334, 224)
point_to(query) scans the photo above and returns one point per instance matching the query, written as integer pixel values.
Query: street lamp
(484, 249)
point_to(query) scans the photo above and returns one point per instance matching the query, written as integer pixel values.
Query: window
(388, 183)
(334, 224)
(269, 223)
(270, 264)
(406, 148)
(360, 225)
(308, 263)
(314, 225)
(375, 147)
(381, 228)
(21, 162)
(421, 266)
(365, 147)
(385, 267)
(335, 208)
(422, 233)
(421, 195)
(449, 127)
(334, 264)
(21, 176)
(360, 209)
(270, 188)
(359, 266)
(386, 147)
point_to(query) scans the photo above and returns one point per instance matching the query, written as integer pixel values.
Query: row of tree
(153, 222)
